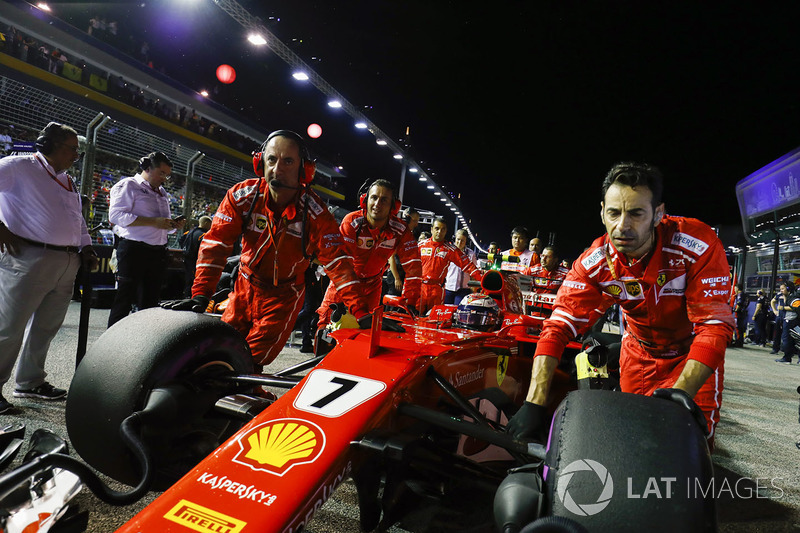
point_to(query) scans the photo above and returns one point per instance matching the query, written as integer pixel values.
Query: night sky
(520, 107)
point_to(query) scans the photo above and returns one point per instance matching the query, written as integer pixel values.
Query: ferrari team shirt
(132, 198)
(676, 295)
(39, 205)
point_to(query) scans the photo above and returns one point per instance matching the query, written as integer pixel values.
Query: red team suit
(544, 286)
(675, 301)
(371, 250)
(268, 293)
(436, 256)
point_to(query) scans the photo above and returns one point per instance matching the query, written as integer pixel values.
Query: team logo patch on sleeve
(592, 259)
(313, 205)
(243, 192)
(687, 242)
(574, 284)
(397, 225)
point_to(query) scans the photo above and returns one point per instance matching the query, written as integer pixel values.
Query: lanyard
(68, 186)
(642, 281)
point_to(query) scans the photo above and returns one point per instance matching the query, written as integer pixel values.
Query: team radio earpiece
(396, 204)
(45, 143)
(307, 168)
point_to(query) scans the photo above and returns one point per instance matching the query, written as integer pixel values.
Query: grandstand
(125, 109)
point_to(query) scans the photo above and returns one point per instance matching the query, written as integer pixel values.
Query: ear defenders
(396, 203)
(146, 162)
(307, 167)
(45, 143)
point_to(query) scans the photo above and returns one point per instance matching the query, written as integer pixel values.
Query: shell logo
(278, 445)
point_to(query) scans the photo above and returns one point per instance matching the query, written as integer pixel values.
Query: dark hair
(439, 219)
(154, 159)
(57, 132)
(520, 230)
(553, 249)
(636, 175)
(494, 242)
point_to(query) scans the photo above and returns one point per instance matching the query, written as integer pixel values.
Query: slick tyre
(618, 461)
(150, 349)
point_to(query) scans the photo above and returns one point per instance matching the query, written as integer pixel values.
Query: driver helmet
(477, 311)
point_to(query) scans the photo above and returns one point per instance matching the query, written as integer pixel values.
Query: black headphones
(307, 168)
(45, 143)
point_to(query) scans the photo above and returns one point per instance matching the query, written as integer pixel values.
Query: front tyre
(147, 350)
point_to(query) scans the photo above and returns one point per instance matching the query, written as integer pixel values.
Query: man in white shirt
(43, 240)
(139, 208)
(456, 284)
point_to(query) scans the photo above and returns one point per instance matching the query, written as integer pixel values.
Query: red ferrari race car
(414, 414)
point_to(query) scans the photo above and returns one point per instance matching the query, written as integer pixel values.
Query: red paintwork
(229, 492)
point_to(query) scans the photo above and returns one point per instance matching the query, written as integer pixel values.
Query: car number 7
(332, 394)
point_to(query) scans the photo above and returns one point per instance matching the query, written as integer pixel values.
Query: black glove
(682, 398)
(413, 310)
(338, 310)
(198, 304)
(529, 422)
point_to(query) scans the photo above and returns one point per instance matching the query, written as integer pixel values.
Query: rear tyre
(150, 349)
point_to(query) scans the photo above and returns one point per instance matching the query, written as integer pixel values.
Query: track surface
(755, 446)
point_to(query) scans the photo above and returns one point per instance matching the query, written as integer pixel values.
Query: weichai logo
(278, 445)
(203, 519)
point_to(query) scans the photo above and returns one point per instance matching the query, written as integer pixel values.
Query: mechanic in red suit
(436, 255)
(372, 235)
(547, 278)
(283, 225)
(671, 278)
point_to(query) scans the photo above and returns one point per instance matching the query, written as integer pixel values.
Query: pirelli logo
(199, 518)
